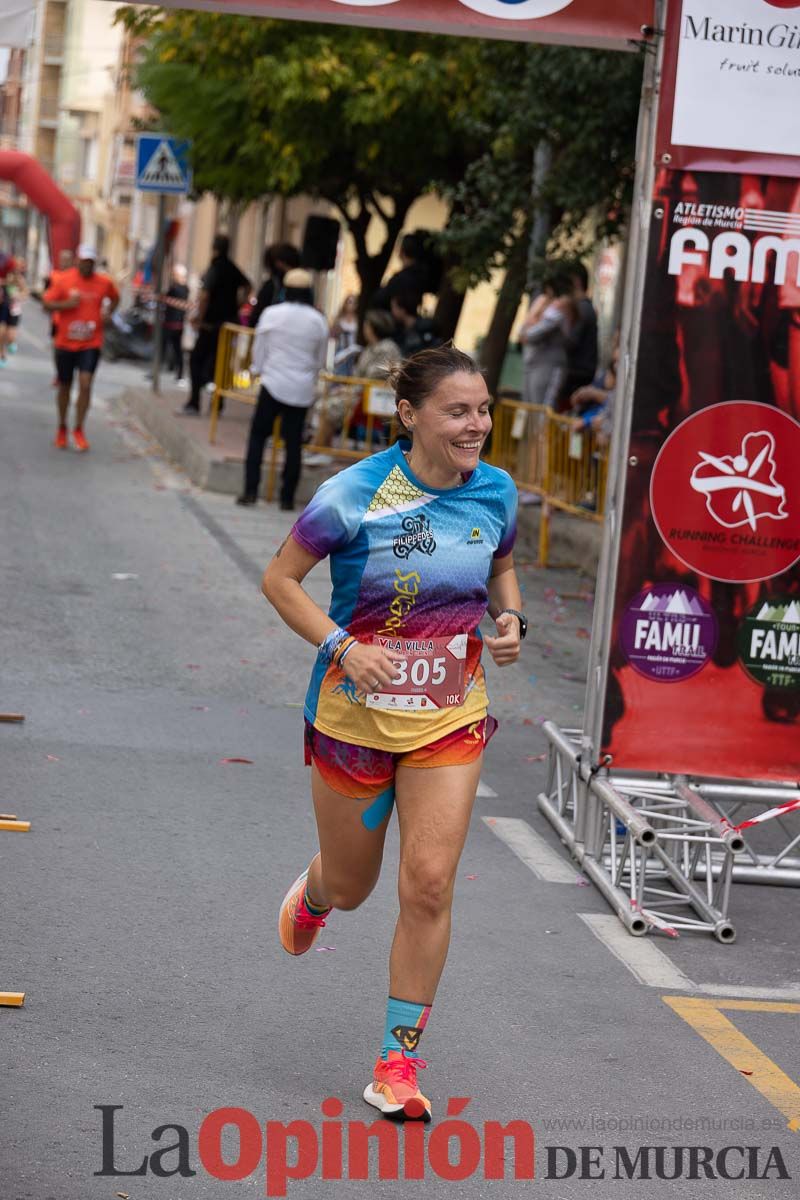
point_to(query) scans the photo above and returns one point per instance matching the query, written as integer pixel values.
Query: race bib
(430, 674)
(81, 331)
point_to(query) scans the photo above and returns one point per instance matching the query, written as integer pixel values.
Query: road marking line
(788, 992)
(485, 790)
(532, 849)
(643, 959)
(706, 1018)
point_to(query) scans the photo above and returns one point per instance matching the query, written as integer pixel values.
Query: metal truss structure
(663, 850)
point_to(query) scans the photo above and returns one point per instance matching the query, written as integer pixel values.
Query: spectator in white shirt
(289, 351)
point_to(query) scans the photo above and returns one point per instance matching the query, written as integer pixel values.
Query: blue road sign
(162, 164)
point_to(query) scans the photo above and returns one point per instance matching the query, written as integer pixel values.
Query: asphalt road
(139, 913)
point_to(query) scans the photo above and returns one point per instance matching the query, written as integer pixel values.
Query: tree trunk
(371, 267)
(493, 350)
(448, 308)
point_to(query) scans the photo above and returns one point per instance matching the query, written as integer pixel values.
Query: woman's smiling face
(452, 424)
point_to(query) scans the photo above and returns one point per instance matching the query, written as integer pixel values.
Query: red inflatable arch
(29, 177)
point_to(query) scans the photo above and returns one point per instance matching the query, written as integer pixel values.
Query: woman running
(420, 540)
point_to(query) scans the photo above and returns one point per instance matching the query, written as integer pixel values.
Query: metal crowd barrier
(352, 417)
(546, 454)
(543, 451)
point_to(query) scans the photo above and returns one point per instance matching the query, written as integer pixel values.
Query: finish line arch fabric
(613, 24)
(30, 177)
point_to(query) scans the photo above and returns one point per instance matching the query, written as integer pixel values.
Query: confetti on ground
(472, 877)
(249, 761)
(582, 633)
(582, 881)
(192, 666)
(321, 949)
(535, 758)
(124, 575)
(52, 758)
(532, 680)
(200, 708)
(573, 678)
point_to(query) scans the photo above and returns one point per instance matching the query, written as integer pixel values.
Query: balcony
(48, 108)
(53, 47)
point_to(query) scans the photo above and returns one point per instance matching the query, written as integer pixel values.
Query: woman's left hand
(504, 648)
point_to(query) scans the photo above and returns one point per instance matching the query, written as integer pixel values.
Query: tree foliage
(367, 119)
(584, 104)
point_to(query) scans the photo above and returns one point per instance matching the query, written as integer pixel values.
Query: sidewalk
(219, 468)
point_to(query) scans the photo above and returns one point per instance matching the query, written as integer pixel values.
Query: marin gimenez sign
(231, 1145)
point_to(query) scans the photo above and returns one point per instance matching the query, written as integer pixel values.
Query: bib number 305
(430, 674)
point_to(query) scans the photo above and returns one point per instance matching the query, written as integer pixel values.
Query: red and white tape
(652, 919)
(780, 811)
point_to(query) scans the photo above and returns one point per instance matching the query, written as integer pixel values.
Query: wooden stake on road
(12, 717)
(12, 999)
(19, 826)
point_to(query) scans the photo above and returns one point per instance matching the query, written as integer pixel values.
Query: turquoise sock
(405, 1022)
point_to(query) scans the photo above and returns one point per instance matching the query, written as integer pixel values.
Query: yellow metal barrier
(232, 378)
(554, 457)
(354, 416)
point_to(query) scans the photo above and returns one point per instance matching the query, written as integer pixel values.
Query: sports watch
(523, 620)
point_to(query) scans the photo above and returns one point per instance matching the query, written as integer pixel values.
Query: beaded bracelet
(331, 643)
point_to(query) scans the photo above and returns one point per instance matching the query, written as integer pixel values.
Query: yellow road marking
(12, 999)
(706, 1018)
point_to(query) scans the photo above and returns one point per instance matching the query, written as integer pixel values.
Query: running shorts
(364, 773)
(70, 361)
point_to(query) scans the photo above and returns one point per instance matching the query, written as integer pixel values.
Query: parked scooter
(130, 334)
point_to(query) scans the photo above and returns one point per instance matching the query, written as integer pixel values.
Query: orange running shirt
(80, 328)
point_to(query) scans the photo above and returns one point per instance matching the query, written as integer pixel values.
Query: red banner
(613, 24)
(704, 671)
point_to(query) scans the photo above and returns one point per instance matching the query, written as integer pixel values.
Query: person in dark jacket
(413, 332)
(174, 319)
(412, 280)
(278, 259)
(581, 340)
(223, 289)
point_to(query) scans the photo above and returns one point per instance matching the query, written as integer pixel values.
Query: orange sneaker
(60, 442)
(298, 929)
(394, 1089)
(78, 440)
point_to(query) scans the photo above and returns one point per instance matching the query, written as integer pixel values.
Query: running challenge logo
(742, 489)
(725, 492)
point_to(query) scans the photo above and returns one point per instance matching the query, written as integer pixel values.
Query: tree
(584, 105)
(367, 119)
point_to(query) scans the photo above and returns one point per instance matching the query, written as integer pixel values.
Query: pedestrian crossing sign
(162, 164)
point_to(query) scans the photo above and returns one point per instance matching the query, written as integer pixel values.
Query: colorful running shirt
(411, 563)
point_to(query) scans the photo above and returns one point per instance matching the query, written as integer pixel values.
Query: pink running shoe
(394, 1088)
(298, 929)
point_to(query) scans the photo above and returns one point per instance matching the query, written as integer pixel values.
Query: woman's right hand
(369, 667)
